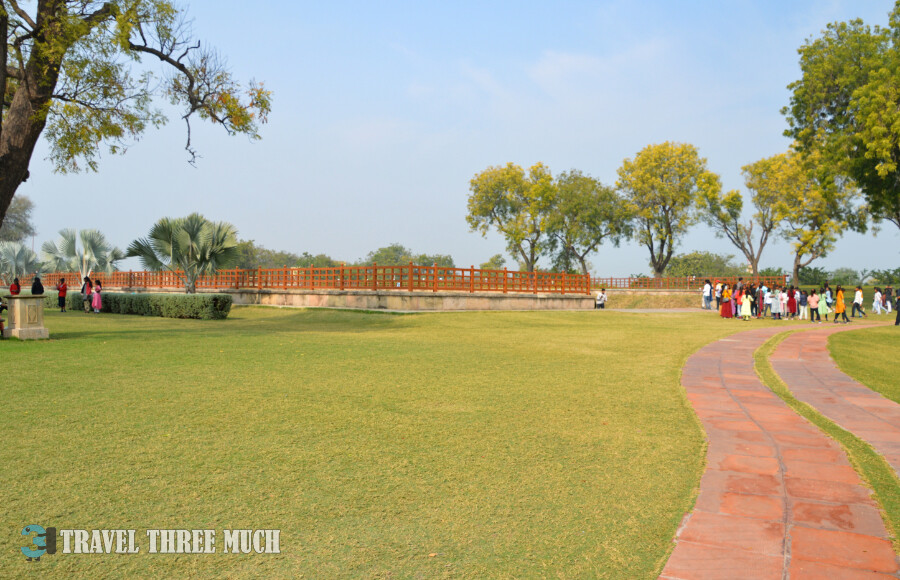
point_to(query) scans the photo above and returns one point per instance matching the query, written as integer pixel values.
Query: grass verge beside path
(472, 445)
(870, 466)
(869, 355)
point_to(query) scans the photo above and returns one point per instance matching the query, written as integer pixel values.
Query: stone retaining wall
(395, 299)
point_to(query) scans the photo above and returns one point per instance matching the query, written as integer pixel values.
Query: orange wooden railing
(409, 278)
(682, 282)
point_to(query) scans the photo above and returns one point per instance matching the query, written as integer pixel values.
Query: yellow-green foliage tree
(72, 71)
(516, 204)
(724, 212)
(662, 186)
(846, 109)
(811, 214)
(586, 213)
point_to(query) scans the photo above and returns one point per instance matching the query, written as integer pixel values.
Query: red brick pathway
(804, 364)
(778, 498)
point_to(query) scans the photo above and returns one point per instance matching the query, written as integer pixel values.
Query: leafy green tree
(662, 186)
(584, 215)
(17, 261)
(94, 254)
(812, 275)
(886, 276)
(772, 272)
(73, 71)
(724, 212)
(845, 277)
(189, 247)
(812, 215)
(517, 205)
(846, 109)
(703, 264)
(496, 262)
(308, 260)
(17, 226)
(399, 255)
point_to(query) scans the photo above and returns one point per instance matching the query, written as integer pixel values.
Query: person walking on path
(718, 294)
(813, 301)
(897, 308)
(86, 290)
(62, 289)
(776, 303)
(725, 311)
(747, 306)
(823, 308)
(839, 307)
(707, 295)
(888, 297)
(877, 301)
(97, 300)
(858, 303)
(803, 304)
(792, 302)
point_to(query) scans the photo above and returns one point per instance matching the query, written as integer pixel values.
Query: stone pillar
(26, 318)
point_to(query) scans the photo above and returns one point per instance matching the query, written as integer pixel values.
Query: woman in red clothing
(15, 288)
(792, 302)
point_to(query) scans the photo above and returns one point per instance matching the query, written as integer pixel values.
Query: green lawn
(434, 445)
(870, 356)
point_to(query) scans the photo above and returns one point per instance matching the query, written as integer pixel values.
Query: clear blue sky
(385, 110)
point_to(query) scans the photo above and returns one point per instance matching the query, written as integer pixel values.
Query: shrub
(202, 306)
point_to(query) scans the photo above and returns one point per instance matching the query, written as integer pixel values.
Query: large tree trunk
(27, 115)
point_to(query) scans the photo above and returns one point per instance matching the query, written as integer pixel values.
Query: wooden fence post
(435, 278)
(341, 277)
(374, 276)
(534, 282)
(505, 279)
(564, 282)
(410, 276)
(471, 278)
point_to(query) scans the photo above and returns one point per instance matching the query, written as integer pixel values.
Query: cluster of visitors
(748, 301)
(90, 294)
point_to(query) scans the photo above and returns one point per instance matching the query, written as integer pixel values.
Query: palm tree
(16, 260)
(95, 253)
(187, 247)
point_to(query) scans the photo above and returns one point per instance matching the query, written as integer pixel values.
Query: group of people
(748, 301)
(90, 292)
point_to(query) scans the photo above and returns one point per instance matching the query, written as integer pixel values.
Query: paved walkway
(804, 364)
(778, 499)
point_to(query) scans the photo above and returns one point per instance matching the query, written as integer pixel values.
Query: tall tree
(188, 247)
(585, 214)
(724, 212)
(17, 226)
(661, 187)
(72, 71)
(517, 205)
(845, 108)
(94, 253)
(812, 213)
(495, 262)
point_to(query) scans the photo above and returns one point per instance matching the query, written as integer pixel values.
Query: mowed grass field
(459, 445)
(871, 356)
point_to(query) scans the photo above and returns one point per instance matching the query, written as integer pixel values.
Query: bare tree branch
(22, 14)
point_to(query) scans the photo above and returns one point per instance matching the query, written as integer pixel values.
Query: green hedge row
(202, 306)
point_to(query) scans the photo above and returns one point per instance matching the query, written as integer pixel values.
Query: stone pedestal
(26, 318)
